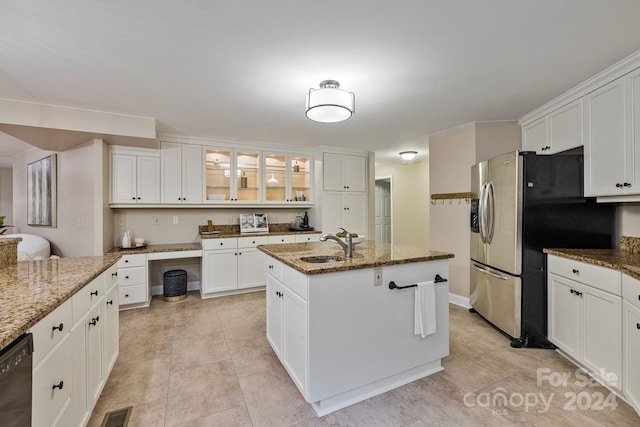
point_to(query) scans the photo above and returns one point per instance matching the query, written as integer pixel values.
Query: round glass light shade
(408, 155)
(330, 104)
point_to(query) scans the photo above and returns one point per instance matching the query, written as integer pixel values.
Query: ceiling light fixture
(408, 155)
(330, 104)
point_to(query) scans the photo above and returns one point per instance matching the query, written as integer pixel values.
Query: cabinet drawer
(289, 238)
(295, 281)
(111, 276)
(137, 260)
(55, 369)
(300, 238)
(631, 290)
(87, 297)
(223, 243)
(274, 268)
(598, 277)
(252, 242)
(50, 330)
(132, 276)
(132, 294)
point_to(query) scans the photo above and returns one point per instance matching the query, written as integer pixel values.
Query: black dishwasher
(15, 382)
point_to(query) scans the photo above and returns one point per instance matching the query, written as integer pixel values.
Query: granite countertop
(234, 231)
(172, 247)
(367, 254)
(618, 259)
(32, 289)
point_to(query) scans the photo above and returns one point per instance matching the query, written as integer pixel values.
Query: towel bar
(438, 279)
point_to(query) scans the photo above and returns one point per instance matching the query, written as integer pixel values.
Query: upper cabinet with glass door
(287, 179)
(232, 176)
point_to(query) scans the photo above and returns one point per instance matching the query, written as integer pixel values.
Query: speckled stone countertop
(234, 231)
(29, 290)
(367, 254)
(625, 259)
(172, 247)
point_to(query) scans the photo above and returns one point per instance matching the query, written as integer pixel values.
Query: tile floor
(207, 363)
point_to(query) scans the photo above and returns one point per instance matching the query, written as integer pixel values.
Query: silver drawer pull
(494, 275)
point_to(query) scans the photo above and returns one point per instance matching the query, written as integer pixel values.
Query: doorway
(383, 210)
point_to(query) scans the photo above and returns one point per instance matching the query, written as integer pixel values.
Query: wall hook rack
(451, 197)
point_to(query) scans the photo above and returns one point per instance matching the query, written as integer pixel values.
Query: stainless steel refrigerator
(522, 203)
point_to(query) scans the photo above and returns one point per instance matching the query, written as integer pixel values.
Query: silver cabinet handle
(494, 275)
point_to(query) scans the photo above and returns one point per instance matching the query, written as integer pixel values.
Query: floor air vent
(118, 418)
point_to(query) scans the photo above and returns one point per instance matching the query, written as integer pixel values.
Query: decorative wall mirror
(41, 192)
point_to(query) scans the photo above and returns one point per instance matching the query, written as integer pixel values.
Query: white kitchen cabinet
(608, 152)
(133, 278)
(288, 178)
(181, 173)
(274, 314)
(631, 340)
(344, 172)
(72, 343)
(135, 178)
(230, 264)
(310, 237)
(344, 210)
(584, 315)
(287, 316)
(232, 176)
(283, 238)
(558, 131)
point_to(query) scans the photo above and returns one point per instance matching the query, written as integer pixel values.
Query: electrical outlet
(78, 224)
(85, 223)
(377, 277)
(121, 220)
(274, 219)
(175, 219)
(289, 218)
(156, 220)
(230, 219)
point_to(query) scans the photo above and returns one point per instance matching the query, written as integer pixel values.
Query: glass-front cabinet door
(219, 165)
(300, 169)
(287, 178)
(248, 177)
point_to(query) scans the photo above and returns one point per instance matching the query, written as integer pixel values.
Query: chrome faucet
(346, 247)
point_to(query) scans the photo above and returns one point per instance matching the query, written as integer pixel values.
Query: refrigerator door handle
(490, 273)
(482, 213)
(491, 199)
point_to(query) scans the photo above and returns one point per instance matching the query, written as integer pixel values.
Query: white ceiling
(240, 70)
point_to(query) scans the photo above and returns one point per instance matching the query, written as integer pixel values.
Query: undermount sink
(322, 259)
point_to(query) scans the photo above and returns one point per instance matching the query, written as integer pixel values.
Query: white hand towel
(425, 309)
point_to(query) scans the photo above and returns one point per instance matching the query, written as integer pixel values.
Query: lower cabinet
(229, 264)
(78, 346)
(133, 276)
(631, 340)
(585, 320)
(287, 328)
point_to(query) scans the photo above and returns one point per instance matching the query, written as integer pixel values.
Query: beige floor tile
(200, 363)
(200, 391)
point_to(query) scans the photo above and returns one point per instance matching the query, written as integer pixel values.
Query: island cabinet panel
(373, 326)
(294, 337)
(274, 314)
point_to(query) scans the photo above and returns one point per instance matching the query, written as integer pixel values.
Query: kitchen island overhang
(343, 338)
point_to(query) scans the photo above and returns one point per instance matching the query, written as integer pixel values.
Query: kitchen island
(340, 331)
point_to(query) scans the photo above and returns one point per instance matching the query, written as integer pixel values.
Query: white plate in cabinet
(291, 238)
(133, 276)
(50, 330)
(601, 278)
(138, 260)
(87, 297)
(222, 243)
(52, 383)
(132, 294)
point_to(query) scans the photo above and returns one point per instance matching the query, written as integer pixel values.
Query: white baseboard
(459, 300)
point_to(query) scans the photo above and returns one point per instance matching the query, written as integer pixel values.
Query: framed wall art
(41, 192)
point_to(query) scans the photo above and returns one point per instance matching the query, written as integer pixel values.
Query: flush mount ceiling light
(330, 104)
(408, 155)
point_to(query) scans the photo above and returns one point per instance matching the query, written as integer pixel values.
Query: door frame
(389, 179)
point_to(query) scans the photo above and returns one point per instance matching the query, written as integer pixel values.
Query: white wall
(410, 202)
(6, 196)
(451, 154)
(78, 193)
